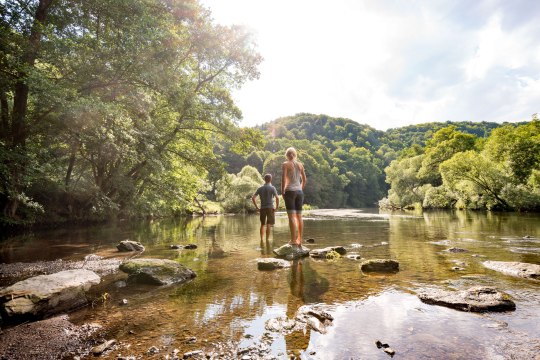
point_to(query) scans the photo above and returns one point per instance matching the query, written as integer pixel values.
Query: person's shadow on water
(306, 287)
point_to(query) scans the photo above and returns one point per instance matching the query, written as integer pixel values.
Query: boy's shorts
(268, 217)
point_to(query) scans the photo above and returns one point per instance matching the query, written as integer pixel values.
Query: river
(230, 300)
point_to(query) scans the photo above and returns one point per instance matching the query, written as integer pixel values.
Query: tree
(442, 146)
(474, 175)
(405, 185)
(518, 147)
(120, 101)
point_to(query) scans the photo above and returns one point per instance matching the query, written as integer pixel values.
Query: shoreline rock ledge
(517, 269)
(44, 295)
(156, 271)
(475, 299)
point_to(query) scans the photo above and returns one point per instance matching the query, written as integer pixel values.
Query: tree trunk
(72, 157)
(20, 96)
(4, 115)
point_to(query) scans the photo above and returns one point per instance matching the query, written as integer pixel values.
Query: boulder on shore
(379, 265)
(129, 245)
(44, 295)
(475, 299)
(321, 253)
(156, 271)
(518, 269)
(272, 263)
(291, 252)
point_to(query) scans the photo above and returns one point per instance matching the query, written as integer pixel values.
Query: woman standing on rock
(293, 181)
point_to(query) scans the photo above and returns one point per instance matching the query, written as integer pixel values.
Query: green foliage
(458, 170)
(117, 115)
(405, 185)
(518, 147)
(234, 191)
(444, 144)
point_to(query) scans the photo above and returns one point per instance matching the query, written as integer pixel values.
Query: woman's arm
(304, 178)
(283, 177)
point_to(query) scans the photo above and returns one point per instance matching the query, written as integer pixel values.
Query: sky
(390, 63)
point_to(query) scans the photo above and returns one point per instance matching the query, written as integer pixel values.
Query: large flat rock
(291, 252)
(156, 271)
(475, 299)
(44, 295)
(517, 269)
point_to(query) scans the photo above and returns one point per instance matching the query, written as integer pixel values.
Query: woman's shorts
(294, 200)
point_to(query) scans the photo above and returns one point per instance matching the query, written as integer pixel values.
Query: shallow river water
(230, 300)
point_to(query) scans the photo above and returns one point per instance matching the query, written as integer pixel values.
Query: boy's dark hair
(267, 178)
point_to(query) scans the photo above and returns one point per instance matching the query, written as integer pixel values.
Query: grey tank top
(294, 178)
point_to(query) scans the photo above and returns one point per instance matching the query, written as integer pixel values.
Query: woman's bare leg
(292, 227)
(300, 224)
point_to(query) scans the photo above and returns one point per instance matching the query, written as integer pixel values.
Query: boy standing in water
(267, 192)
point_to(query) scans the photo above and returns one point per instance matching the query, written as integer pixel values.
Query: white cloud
(389, 64)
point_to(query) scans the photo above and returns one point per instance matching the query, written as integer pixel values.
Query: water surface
(230, 300)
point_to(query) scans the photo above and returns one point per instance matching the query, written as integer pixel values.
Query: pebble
(97, 350)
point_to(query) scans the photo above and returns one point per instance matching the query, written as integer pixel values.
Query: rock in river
(379, 265)
(129, 245)
(290, 252)
(156, 271)
(272, 263)
(518, 269)
(475, 299)
(44, 295)
(321, 253)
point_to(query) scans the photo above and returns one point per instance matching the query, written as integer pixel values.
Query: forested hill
(345, 160)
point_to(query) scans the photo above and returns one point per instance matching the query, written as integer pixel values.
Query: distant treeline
(353, 165)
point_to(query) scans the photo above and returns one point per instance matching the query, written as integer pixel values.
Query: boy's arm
(254, 202)
(277, 202)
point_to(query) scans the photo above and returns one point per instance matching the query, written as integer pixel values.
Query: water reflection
(230, 298)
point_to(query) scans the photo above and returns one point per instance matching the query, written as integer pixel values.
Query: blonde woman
(293, 181)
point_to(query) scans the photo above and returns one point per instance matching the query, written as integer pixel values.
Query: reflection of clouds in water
(211, 311)
(402, 321)
(377, 317)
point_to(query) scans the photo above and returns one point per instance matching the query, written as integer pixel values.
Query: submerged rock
(290, 252)
(379, 265)
(518, 269)
(475, 299)
(310, 241)
(272, 263)
(456, 250)
(156, 271)
(321, 253)
(354, 256)
(44, 295)
(129, 245)
(190, 246)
